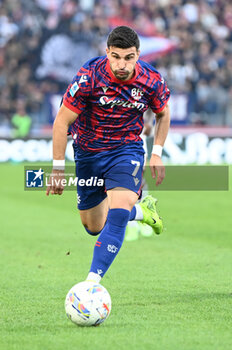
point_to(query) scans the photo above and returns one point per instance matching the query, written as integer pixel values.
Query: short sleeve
(77, 93)
(161, 96)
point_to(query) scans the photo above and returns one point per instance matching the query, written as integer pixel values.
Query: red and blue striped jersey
(110, 111)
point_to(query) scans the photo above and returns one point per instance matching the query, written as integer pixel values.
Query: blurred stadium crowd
(44, 42)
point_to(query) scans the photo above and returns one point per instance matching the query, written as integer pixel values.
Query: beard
(121, 74)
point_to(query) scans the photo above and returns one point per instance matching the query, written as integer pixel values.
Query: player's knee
(124, 199)
(93, 228)
(132, 202)
(91, 224)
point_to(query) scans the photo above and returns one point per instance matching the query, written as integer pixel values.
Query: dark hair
(123, 37)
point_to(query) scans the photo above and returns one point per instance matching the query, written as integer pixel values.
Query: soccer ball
(88, 304)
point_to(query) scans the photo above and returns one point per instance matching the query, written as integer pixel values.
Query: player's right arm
(64, 118)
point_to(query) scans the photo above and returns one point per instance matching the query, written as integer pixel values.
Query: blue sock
(132, 214)
(110, 240)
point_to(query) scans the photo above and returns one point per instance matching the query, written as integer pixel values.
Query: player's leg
(94, 219)
(120, 197)
(146, 213)
(92, 199)
(140, 222)
(110, 240)
(123, 177)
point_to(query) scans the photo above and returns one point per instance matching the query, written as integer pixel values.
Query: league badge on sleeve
(73, 89)
(34, 178)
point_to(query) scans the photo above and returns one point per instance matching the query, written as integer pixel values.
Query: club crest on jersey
(136, 94)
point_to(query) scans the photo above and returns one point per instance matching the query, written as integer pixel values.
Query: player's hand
(157, 169)
(55, 182)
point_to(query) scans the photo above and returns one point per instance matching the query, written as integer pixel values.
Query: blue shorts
(99, 172)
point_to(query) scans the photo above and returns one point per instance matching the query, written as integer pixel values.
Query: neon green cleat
(150, 215)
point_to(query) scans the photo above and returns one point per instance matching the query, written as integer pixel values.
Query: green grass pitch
(169, 292)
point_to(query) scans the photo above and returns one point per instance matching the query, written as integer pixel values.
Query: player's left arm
(161, 131)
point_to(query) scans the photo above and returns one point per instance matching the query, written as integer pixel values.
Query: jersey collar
(118, 81)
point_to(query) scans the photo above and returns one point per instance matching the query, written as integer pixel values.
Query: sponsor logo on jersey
(112, 102)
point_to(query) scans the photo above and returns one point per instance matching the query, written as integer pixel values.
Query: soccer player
(103, 109)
